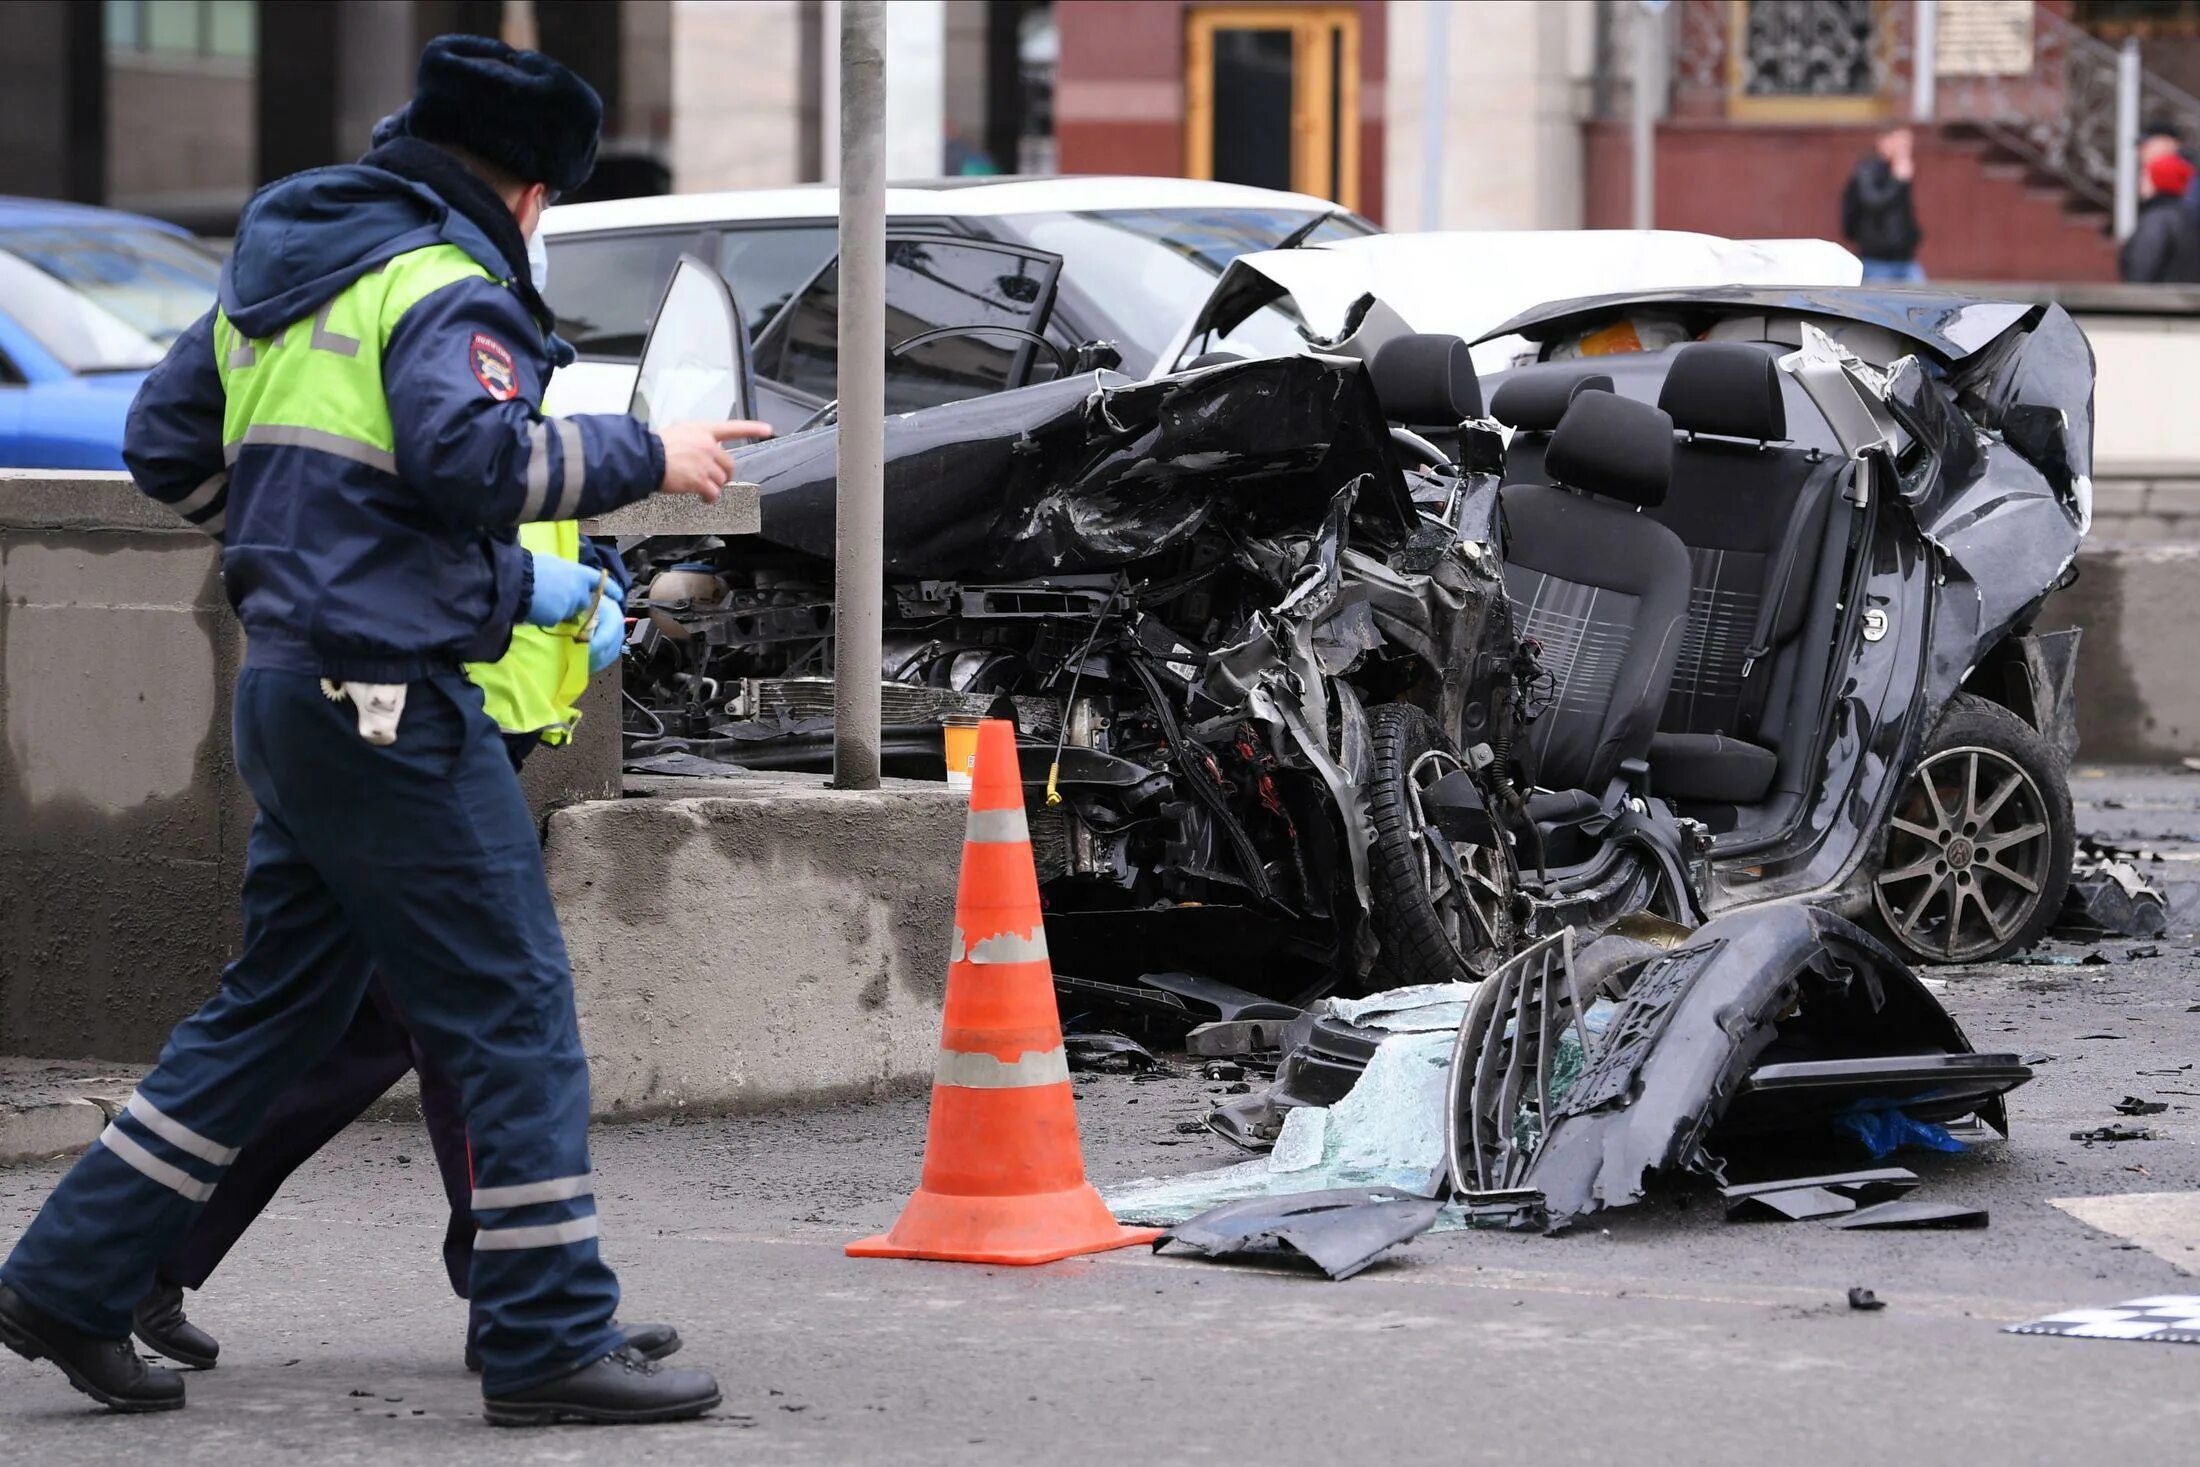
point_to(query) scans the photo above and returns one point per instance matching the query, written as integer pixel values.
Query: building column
(53, 126)
(916, 88)
(1511, 150)
(296, 89)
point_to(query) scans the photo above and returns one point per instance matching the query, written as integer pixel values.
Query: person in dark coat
(2164, 247)
(1877, 215)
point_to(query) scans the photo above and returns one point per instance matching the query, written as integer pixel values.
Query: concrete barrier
(2138, 677)
(757, 942)
(122, 821)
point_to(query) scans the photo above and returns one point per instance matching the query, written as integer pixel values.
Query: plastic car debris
(2169, 1319)
(1862, 1298)
(1796, 1204)
(2132, 1105)
(1503, 1080)
(1792, 1097)
(2114, 1133)
(1168, 1007)
(1236, 1038)
(1694, 1023)
(1797, 1198)
(1912, 1212)
(2109, 894)
(1107, 1053)
(1341, 1231)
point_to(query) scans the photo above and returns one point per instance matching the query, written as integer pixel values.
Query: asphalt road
(1658, 1334)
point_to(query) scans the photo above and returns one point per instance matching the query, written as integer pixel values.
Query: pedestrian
(1877, 214)
(2164, 247)
(2162, 136)
(357, 420)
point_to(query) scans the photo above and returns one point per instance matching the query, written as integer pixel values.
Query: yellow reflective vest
(332, 398)
(534, 686)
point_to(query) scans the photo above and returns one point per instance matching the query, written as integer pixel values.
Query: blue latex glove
(563, 589)
(607, 635)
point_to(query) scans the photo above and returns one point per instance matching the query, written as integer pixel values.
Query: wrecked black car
(1329, 677)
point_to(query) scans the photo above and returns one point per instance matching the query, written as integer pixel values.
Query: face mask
(538, 261)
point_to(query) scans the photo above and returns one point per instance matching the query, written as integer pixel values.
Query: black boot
(159, 1322)
(108, 1371)
(620, 1389)
(650, 1341)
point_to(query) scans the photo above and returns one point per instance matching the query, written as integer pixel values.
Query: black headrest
(1728, 388)
(1214, 359)
(1534, 400)
(1613, 445)
(1427, 380)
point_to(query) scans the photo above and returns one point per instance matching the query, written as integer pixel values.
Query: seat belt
(1810, 505)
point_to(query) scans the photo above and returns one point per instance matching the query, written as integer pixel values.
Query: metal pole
(2128, 76)
(1433, 119)
(1649, 62)
(860, 516)
(1925, 62)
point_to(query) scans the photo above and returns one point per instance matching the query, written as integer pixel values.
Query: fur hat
(520, 110)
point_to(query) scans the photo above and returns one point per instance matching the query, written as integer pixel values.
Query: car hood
(1098, 471)
(1466, 283)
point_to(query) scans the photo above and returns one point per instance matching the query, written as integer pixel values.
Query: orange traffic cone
(1004, 1176)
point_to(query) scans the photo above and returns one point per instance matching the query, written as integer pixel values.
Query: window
(104, 300)
(1272, 98)
(1135, 276)
(766, 267)
(604, 289)
(930, 283)
(1813, 60)
(224, 28)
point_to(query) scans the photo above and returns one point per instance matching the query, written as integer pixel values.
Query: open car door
(964, 318)
(695, 364)
(694, 368)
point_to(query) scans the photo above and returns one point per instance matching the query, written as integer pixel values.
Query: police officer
(356, 418)
(531, 693)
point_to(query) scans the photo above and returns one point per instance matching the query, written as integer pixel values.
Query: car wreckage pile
(1327, 684)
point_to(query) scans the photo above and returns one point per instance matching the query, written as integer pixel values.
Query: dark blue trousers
(418, 861)
(374, 1053)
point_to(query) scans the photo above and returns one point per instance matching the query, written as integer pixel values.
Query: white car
(992, 283)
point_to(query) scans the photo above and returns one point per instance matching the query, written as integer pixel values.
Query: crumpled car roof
(1950, 326)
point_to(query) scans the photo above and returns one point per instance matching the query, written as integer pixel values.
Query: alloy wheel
(1470, 886)
(1968, 856)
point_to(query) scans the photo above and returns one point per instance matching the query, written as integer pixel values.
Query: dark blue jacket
(344, 559)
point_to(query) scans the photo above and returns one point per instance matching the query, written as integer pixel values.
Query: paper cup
(962, 749)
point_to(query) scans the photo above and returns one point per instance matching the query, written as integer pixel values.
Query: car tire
(1425, 933)
(1980, 842)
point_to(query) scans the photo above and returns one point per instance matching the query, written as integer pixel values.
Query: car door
(694, 362)
(961, 318)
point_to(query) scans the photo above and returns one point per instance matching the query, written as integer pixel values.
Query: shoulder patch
(493, 367)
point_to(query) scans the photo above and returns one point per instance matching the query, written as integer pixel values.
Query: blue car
(89, 300)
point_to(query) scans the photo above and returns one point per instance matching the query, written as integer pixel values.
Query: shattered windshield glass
(1135, 276)
(104, 301)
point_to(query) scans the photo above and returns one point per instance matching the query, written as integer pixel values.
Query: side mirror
(695, 365)
(1094, 356)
